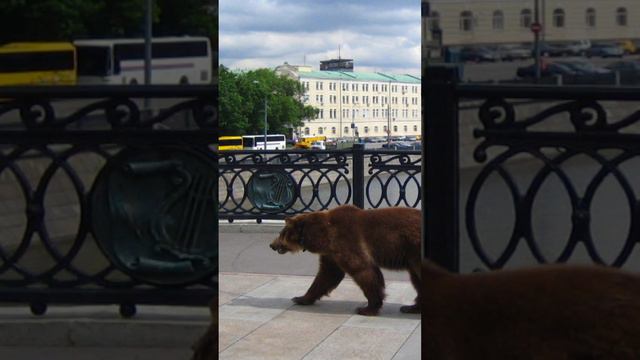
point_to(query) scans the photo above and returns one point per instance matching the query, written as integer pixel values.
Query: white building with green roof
(365, 104)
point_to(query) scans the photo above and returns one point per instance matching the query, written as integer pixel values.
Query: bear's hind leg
(415, 280)
(371, 282)
(328, 278)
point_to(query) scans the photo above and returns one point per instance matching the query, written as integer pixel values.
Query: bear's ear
(293, 219)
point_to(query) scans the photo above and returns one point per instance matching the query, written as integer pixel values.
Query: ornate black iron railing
(323, 179)
(108, 195)
(580, 148)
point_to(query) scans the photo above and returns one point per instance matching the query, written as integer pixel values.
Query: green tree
(64, 20)
(242, 96)
(230, 102)
(44, 20)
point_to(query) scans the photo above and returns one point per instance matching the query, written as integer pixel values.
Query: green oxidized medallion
(154, 214)
(271, 191)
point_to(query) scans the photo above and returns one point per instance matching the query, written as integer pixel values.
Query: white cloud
(266, 33)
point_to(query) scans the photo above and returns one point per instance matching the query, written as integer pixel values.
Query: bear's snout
(278, 247)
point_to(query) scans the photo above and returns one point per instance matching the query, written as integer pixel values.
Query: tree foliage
(64, 20)
(242, 96)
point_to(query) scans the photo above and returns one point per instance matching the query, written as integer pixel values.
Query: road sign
(536, 27)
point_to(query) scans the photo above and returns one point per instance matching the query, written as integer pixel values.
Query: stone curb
(250, 226)
(100, 326)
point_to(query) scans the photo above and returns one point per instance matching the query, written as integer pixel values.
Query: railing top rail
(382, 151)
(99, 91)
(529, 91)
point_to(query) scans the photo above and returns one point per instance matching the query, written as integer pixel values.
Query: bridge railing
(368, 178)
(555, 181)
(103, 195)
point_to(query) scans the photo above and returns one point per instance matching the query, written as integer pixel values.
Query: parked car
(549, 69)
(549, 50)
(628, 46)
(402, 145)
(477, 54)
(605, 50)
(318, 145)
(625, 66)
(629, 71)
(584, 67)
(510, 52)
(636, 43)
(578, 48)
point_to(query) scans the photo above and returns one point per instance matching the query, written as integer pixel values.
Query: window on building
(498, 20)
(375, 129)
(466, 21)
(558, 18)
(395, 128)
(526, 18)
(435, 20)
(306, 131)
(415, 127)
(320, 130)
(366, 129)
(591, 17)
(385, 129)
(346, 129)
(621, 16)
(405, 128)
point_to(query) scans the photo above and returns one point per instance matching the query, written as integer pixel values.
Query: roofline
(353, 76)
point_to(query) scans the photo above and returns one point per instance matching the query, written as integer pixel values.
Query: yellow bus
(37, 63)
(230, 143)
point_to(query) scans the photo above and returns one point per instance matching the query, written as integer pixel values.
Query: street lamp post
(148, 33)
(389, 114)
(536, 40)
(265, 123)
(265, 119)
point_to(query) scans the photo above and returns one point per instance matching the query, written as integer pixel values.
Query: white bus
(175, 60)
(256, 142)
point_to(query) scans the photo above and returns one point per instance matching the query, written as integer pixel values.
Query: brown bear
(357, 242)
(546, 312)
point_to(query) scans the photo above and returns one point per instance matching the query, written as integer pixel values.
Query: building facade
(509, 21)
(358, 103)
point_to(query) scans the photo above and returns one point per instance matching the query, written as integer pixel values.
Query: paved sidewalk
(259, 321)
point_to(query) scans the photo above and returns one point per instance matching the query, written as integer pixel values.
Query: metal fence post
(440, 177)
(358, 175)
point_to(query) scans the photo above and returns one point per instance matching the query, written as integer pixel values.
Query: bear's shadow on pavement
(323, 306)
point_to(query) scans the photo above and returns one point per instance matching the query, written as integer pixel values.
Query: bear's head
(302, 232)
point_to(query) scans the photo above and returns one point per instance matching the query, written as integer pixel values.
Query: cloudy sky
(380, 35)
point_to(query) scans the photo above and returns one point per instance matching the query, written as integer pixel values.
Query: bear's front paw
(301, 300)
(367, 311)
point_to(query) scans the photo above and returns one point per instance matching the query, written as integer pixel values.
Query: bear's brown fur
(547, 312)
(206, 348)
(357, 242)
